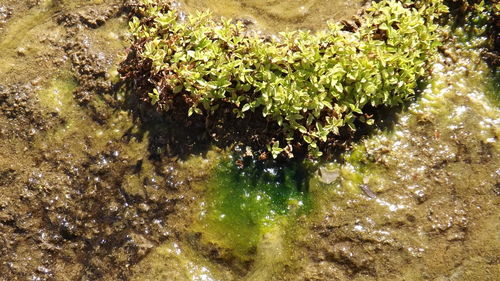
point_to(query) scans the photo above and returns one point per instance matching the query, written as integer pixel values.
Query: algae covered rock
(306, 85)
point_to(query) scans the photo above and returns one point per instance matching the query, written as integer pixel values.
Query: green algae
(58, 96)
(246, 216)
(244, 203)
(19, 36)
(278, 15)
(18, 30)
(189, 265)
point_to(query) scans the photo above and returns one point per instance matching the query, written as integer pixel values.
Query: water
(84, 195)
(277, 15)
(243, 204)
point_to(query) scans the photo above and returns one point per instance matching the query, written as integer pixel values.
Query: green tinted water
(277, 15)
(245, 203)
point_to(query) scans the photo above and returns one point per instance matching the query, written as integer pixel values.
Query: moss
(309, 84)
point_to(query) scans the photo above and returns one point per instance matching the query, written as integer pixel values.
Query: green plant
(309, 84)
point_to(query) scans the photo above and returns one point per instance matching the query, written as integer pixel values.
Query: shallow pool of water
(279, 15)
(89, 194)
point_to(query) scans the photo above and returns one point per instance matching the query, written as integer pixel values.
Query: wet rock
(91, 74)
(17, 101)
(221, 255)
(7, 177)
(368, 192)
(349, 255)
(5, 14)
(91, 17)
(21, 51)
(328, 176)
(420, 195)
(456, 235)
(23, 116)
(64, 213)
(245, 21)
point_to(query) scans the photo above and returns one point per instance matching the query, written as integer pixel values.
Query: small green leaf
(246, 107)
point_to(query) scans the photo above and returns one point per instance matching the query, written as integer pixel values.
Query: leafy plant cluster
(310, 84)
